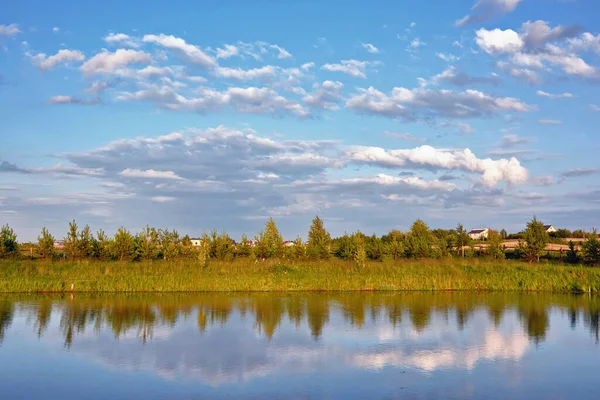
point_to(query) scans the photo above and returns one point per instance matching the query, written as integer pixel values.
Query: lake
(455, 345)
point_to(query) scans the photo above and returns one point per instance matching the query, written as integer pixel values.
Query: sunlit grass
(286, 275)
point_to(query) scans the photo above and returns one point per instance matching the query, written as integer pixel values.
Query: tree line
(419, 242)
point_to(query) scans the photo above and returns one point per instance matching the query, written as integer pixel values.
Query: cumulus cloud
(428, 157)
(565, 95)
(325, 96)
(227, 51)
(370, 48)
(510, 141)
(281, 52)
(486, 9)
(537, 45)
(163, 199)
(402, 102)
(595, 107)
(107, 62)
(353, 68)
(404, 136)
(250, 100)
(9, 30)
(454, 76)
(549, 121)
(448, 57)
(578, 172)
(266, 72)
(191, 53)
(121, 39)
(149, 174)
(523, 74)
(73, 100)
(45, 62)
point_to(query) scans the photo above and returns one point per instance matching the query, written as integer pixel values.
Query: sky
(221, 114)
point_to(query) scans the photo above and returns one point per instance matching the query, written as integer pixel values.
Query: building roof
(548, 226)
(477, 230)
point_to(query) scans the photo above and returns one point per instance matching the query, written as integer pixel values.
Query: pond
(300, 346)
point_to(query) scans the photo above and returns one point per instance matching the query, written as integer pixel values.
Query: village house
(196, 242)
(288, 243)
(549, 228)
(479, 234)
(59, 244)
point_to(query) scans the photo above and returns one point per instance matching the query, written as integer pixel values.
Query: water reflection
(224, 339)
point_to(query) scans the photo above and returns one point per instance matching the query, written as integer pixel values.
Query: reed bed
(246, 275)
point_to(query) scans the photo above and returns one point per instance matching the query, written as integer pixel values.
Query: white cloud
(510, 141)
(594, 107)
(107, 62)
(353, 68)
(370, 48)
(121, 39)
(492, 171)
(416, 43)
(228, 51)
(404, 102)
(149, 174)
(162, 199)
(45, 63)
(498, 41)
(524, 74)
(152, 71)
(66, 170)
(325, 96)
(307, 66)
(565, 95)
(266, 72)
(549, 121)
(404, 136)
(56, 29)
(9, 30)
(456, 77)
(448, 57)
(586, 42)
(486, 9)
(281, 52)
(72, 100)
(189, 52)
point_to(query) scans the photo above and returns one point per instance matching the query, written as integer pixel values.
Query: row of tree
(419, 242)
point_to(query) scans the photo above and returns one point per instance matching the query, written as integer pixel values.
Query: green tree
(319, 240)
(222, 245)
(572, 256)
(419, 240)
(146, 243)
(344, 247)
(299, 250)
(101, 246)
(503, 234)
(85, 242)
(359, 253)
(45, 244)
(462, 238)
(71, 248)
(494, 248)
(170, 244)
(590, 249)
(123, 246)
(394, 244)
(244, 249)
(271, 241)
(9, 247)
(536, 238)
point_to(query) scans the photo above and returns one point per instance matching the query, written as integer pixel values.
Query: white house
(479, 234)
(549, 228)
(196, 242)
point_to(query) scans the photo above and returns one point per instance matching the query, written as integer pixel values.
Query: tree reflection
(141, 314)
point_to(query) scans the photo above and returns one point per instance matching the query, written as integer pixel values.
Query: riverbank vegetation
(295, 275)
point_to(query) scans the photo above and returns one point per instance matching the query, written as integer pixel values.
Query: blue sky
(221, 114)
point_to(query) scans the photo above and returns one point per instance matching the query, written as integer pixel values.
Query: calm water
(333, 346)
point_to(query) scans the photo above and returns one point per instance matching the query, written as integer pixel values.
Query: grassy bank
(272, 275)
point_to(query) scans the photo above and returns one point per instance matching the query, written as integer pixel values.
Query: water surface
(300, 346)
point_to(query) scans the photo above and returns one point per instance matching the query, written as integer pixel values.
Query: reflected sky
(301, 346)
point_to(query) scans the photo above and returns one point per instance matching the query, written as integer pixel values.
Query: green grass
(283, 275)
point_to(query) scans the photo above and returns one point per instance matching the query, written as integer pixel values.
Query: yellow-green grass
(245, 275)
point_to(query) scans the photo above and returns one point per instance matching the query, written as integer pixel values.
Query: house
(479, 234)
(288, 243)
(549, 228)
(196, 242)
(59, 244)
